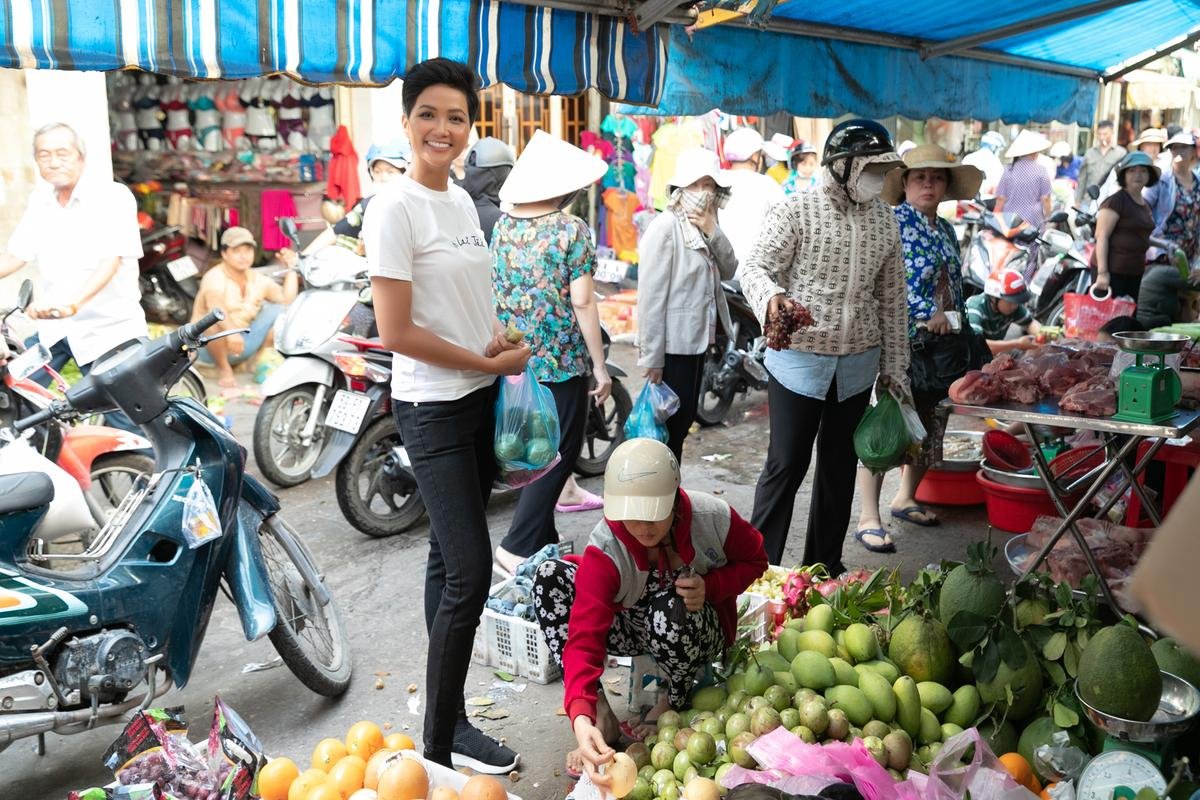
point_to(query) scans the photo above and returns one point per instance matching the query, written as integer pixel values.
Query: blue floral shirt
(534, 262)
(928, 249)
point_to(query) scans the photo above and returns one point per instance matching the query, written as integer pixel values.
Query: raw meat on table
(1057, 380)
(976, 388)
(1095, 397)
(1019, 386)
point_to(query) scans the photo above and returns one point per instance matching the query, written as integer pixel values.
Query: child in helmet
(1003, 304)
(660, 575)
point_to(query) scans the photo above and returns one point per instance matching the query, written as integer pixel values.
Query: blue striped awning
(366, 42)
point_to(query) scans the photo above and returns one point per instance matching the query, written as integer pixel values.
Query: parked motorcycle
(83, 632)
(1002, 241)
(374, 484)
(1065, 269)
(168, 278)
(605, 427)
(104, 461)
(734, 363)
(289, 429)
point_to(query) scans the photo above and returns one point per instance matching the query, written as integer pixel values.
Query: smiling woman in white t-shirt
(431, 278)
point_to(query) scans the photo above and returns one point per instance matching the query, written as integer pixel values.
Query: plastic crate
(756, 619)
(514, 645)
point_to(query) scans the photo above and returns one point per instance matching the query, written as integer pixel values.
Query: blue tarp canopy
(1028, 60)
(531, 48)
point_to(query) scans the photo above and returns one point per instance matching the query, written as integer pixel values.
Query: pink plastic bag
(785, 758)
(1085, 314)
(982, 777)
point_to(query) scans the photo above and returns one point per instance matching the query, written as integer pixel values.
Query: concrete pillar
(556, 116)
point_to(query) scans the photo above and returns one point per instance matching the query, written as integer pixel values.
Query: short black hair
(1104, 123)
(1173, 129)
(444, 72)
(1121, 325)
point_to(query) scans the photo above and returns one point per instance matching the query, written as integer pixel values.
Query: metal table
(1120, 439)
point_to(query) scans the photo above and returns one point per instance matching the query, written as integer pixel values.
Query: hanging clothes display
(669, 141)
(622, 233)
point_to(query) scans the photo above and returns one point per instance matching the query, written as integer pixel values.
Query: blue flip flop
(889, 547)
(906, 515)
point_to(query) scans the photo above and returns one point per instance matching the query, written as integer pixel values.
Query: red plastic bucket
(949, 487)
(1014, 508)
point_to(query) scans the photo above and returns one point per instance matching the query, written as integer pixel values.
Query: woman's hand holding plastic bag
(527, 430)
(654, 406)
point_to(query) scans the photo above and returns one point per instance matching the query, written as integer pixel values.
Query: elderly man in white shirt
(83, 234)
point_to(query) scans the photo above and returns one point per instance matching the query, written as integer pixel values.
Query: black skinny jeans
(450, 445)
(683, 375)
(796, 422)
(533, 523)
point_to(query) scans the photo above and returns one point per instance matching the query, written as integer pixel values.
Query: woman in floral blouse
(934, 277)
(543, 261)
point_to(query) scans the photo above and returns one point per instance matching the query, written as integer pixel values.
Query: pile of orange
(365, 766)
(1021, 771)
(344, 769)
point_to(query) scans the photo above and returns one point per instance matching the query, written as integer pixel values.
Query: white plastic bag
(68, 511)
(912, 420)
(201, 524)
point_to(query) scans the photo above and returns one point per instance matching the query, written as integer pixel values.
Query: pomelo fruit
(1026, 684)
(1119, 675)
(1174, 659)
(921, 649)
(1031, 611)
(965, 590)
(999, 738)
(1037, 733)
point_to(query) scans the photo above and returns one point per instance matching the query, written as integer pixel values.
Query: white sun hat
(1027, 143)
(692, 165)
(548, 168)
(778, 146)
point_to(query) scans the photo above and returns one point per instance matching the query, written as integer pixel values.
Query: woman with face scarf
(682, 259)
(834, 249)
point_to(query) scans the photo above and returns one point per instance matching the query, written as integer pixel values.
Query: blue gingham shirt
(811, 374)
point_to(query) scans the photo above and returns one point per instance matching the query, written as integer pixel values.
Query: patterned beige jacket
(842, 260)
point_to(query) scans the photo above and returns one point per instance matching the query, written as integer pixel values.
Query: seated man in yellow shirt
(249, 299)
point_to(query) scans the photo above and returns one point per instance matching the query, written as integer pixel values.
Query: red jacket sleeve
(745, 561)
(596, 584)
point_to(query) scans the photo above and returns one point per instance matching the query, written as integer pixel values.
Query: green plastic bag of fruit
(527, 431)
(881, 438)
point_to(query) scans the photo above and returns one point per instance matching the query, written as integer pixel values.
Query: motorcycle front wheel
(715, 400)
(113, 476)
(605, 430)
(308, 636)
(282, 456)
(375, 491)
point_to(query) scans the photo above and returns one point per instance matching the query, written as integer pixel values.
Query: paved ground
(377, 584)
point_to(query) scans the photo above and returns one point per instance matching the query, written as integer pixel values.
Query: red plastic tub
(1014, 508)
(950, 487)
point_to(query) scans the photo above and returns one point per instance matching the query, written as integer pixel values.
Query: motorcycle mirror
(288, 226)
(1093, 192)
(1057, 217)
(25, 294)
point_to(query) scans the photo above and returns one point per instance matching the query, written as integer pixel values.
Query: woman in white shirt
(431, 277)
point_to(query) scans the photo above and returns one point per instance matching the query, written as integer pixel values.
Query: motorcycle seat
(23, 491)
(733, 285)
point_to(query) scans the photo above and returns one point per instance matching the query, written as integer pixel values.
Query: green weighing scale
(1148, 391)
(1135, 754)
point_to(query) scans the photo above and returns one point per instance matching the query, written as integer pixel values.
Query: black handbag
(938, 361)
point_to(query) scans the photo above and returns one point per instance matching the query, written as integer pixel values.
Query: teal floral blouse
(534, 262)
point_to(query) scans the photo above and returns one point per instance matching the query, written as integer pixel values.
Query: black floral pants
(680, 649)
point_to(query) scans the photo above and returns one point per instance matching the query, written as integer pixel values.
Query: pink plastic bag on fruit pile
(794, 766)
(983, 776)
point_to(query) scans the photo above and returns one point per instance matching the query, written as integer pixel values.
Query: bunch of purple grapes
(148, 767)
(780, 326)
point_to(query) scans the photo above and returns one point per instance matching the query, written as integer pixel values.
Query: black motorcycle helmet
(851, 139)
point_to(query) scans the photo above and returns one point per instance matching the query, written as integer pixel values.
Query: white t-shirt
(751, 196)
(433, 240)
(69, 243)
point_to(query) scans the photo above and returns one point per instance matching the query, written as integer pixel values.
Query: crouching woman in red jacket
(660, 575)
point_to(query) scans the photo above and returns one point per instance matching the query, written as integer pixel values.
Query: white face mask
(869, 185)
